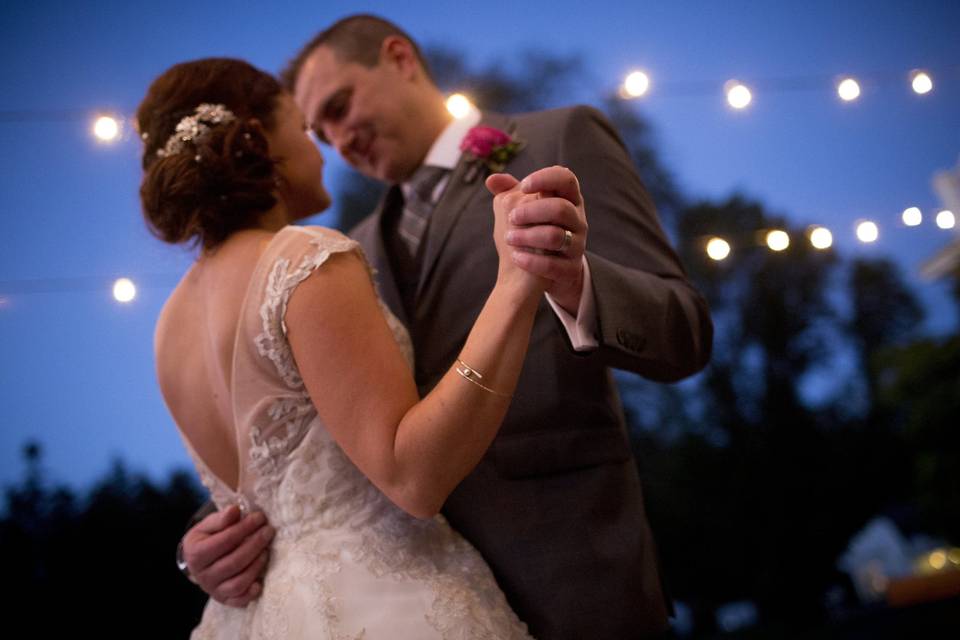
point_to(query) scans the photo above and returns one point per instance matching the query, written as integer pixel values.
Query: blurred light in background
(124, 290)
(459, 105)
(942, 559)
(636, 84)
(946, 219)
(867, 231)
(912, 216)
(718, 248)
(738, 95)
(921, 82)
(106, 128)
(778, 240)
(848, 89)
(820, 237)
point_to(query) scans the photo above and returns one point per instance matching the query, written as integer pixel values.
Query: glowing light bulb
(778, 240)
(459, 105)
(821, 238)
(946, 219)
(921, 82)
(867, 231)
(718, 249)
(953, 555)
(912, 216)
(124, 290)
(106, 128)
(636, 84)
(848, 89)
(738, 95)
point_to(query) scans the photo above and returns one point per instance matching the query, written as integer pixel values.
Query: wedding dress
(345, 563)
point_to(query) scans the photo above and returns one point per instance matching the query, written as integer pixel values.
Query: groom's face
(368, 114)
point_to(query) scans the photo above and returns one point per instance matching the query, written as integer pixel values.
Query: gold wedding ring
(567, 240)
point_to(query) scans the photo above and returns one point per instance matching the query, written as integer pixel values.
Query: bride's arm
(415, 451)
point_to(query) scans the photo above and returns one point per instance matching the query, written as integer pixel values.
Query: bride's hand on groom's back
(227, 553)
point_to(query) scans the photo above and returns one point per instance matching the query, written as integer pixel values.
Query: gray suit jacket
(556, 506)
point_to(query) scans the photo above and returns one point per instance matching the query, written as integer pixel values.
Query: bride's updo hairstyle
(222, 181)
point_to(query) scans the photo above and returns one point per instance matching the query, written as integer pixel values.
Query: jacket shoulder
(561, 117)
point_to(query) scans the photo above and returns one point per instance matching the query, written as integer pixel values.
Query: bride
(291, 383)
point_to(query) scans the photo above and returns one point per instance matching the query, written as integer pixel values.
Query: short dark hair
(356, 38)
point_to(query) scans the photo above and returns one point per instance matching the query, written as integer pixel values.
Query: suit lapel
(457, 196)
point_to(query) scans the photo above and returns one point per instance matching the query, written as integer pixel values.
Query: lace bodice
(337, 534)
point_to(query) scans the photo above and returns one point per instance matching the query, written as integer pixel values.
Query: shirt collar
(445, 151)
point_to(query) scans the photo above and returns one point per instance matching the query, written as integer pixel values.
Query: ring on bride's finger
(567, 240)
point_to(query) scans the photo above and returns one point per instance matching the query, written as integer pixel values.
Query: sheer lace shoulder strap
(293, 254)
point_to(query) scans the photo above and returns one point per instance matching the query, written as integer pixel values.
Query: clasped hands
(549, 231)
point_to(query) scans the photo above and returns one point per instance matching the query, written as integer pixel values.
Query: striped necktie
(417, 206)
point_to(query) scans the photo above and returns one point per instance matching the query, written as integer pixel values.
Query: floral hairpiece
(196, 127)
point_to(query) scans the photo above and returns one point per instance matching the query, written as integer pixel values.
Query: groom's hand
(227, 554)
(552, 230)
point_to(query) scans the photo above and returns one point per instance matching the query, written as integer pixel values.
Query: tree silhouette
(102, 562)
(919, 391)
(884, 313)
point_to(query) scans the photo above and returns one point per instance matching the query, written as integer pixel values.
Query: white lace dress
(345, 562)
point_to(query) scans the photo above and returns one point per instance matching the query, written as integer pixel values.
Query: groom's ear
(398, 53)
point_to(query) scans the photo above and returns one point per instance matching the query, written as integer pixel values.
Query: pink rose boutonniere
(489, 148)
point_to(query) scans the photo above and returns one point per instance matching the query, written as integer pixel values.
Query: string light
(459, 105)
(946, 219)
(636, 84)
(867, 231)
(921, 82)
(738, 95)
(106, 128)
(124, 290)
(777, 240)
(848, 89)
(912, 216)
(820, 237)
(718, 249)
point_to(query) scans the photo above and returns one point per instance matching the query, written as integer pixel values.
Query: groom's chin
(383, 170)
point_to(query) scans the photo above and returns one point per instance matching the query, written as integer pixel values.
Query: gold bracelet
(470, 374)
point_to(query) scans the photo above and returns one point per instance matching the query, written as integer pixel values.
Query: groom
(555, 506)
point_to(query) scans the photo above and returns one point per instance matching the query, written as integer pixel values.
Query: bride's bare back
(194, 345)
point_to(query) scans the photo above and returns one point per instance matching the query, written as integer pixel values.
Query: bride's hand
(507, 195)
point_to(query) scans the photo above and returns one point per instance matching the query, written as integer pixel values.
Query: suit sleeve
(650, 319)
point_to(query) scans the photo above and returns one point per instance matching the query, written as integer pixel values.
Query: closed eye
(336, 106)
(332, 111)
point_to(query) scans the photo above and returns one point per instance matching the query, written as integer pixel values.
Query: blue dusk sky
(76, 367)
